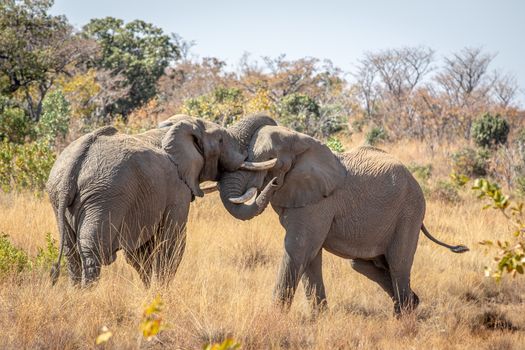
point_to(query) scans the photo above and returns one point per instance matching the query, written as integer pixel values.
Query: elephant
(363, 205)
(112, 191)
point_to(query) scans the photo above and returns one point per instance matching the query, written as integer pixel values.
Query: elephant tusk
(209, 188)
(245, 197)
(259, 165)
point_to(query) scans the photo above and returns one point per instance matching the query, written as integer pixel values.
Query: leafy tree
(223, 106)
(55, 118)
(137, 50)
(15, 125)
(35, 48)
(490, 130)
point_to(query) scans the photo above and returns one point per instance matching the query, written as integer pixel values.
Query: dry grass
(225, 281)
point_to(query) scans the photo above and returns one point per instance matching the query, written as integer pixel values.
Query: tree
(35, 48)
(464, 76)
(137, 50)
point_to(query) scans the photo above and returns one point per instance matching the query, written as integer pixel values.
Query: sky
(339, 30)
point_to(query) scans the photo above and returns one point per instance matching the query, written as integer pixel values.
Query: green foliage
(227, 344)
(47, 255)
(54, 122)
(421, 172)
(470, 162)
(510, 256)
(335, 144)
(25, 166)
(299, 112)
(12, 259)
(137, 50)
(489, 130)
(15, 125)
(35, 48)
(223, 106)
(376, 135)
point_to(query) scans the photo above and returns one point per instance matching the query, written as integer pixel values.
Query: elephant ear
(314, 174)
(182, 144)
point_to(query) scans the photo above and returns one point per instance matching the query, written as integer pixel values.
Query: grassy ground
(224, 285)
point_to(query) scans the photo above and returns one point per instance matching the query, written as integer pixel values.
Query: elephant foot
(407, 307)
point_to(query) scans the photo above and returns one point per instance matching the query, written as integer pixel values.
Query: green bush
(300, 113)
(223, 106)
(15, 125)
(47, 255)
(12, 259)
(55, 117)
(489, 130)
(358, 125)
(470, 162)
(445, 191)
(376, 135)
(25, 166)
(335, 144)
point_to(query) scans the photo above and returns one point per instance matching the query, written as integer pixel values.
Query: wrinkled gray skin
(113, 191)
(363, 205)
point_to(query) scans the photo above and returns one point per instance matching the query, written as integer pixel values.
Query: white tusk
(245, 197)
(259, 165)
(209, 188)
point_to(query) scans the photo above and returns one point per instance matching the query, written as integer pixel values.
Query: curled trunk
(234, 185)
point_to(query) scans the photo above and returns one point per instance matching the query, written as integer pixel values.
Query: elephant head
(305, 172)
(202, 149)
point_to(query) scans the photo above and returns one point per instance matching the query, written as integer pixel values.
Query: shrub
(358, 125)
(55, 117)
(421, 172)
(25, 166)
(223, 106)
(47, 255)
(489, 130)
(470, 162)
(335, 145)
(15, 125)
(12, 259)
(445, 191)
(299, 112)
(375, 135)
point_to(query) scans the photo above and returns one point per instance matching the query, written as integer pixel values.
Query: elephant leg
(400, 256)
(169, 250)
(313, 283)
(306, 232)
(90, 266)
(74, 264)
(375, 272)
(141, 260)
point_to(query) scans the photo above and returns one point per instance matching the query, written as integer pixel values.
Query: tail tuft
(459, 249)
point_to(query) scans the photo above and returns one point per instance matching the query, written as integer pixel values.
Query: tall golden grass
(223, 288)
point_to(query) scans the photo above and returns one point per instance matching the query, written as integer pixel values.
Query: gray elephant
(363, 205)
(113, 191)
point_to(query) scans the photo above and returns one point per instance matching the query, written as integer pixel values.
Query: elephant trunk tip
(459, 249)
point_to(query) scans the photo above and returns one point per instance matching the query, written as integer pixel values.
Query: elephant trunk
(233, 185)
(242, 132)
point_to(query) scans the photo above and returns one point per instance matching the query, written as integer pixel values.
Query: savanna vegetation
(450, 119)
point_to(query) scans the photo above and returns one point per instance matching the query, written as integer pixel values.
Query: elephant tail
(453, 248)
(55, 269)
(69, 189)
